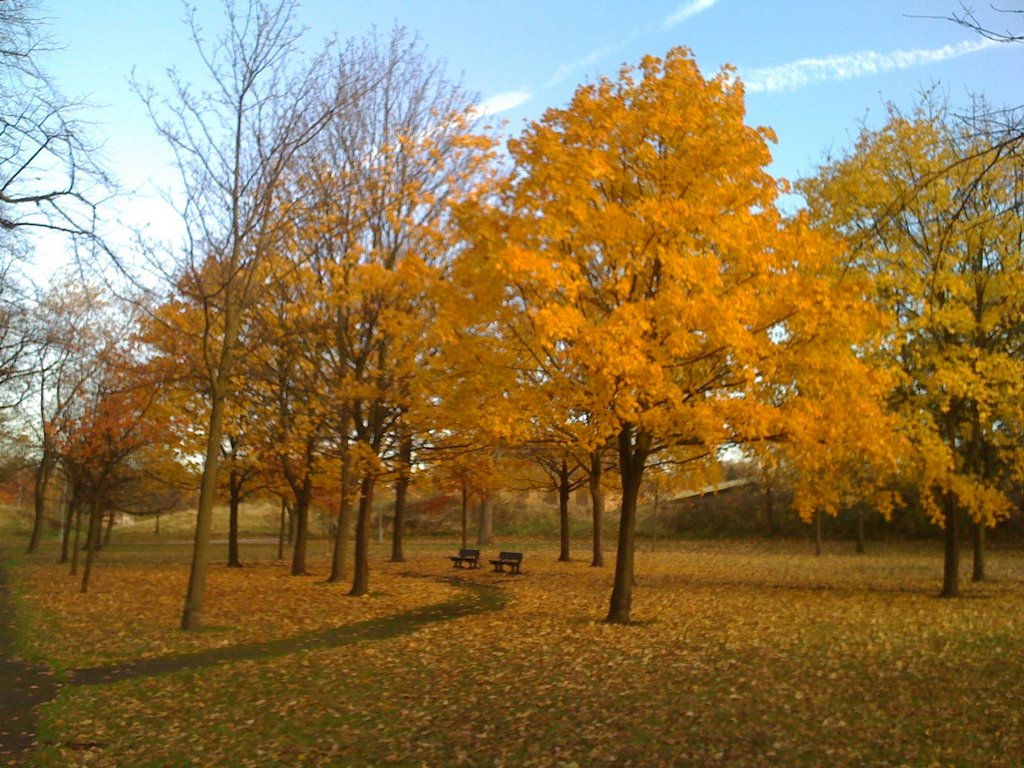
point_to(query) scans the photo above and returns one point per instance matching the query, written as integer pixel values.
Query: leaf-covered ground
(742, 655)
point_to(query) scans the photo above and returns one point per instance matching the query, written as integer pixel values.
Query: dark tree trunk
(292, 524)
(281, 534)
(69, 521)
(361, 561)
(344, 522)
(301, 516)
(860, 531)
(91, 541)
(485, 526)
(157, 531)
(596, 509)
(951, 560)
(634, 448)
(978, 571)
(76, 504)
(817, 533)
(110, 528)
(563, 512)
(234, 502)
(465, 514)
(401, 491)
(42, 481)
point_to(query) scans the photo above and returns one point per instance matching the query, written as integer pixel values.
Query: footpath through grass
(742, 655)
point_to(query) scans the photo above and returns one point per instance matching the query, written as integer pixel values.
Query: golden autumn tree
(284, 381)
(931, 204)
(372, 202)
(173, 334)
(637, 280)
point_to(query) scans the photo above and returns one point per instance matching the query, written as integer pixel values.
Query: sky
(814, 70)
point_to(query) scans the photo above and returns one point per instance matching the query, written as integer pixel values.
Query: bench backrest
(518, 556)
(469, 553)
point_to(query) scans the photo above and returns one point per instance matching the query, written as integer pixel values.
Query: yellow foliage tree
(639, 287)
(931, 205)
(372, 204)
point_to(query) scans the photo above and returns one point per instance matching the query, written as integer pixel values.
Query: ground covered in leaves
(741, 655)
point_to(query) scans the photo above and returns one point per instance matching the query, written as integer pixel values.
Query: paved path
(25, 687)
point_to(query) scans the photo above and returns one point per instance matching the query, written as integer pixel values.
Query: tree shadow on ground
(481, 599)
(27, 686)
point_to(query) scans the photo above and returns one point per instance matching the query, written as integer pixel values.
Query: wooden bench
(468, 557)
(512, 559)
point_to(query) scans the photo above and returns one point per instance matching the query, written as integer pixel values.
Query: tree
(645, 288)
(74, 327)
(49, 177)
(100, 441)
(966, 17)
(234, 145)
(283, 381)
(563, 474)
(374, 197)
(931, 204)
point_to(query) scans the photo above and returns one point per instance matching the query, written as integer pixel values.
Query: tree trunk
(301, 516)
(78, 534)
(951, 560)
(596, 510)
(157, 531)
(192, 615)
(234, 502)
(401, 491)
(978, 571)
(563, 512)
(465, 513)
(110, 528)
(634, 448)
(485, 526)
(69, 521)
(361, 561)
(91, 541)
(282, 528)
(344, 522)
(860, 530)
(42, 481)
(292, 523)
(817, 533)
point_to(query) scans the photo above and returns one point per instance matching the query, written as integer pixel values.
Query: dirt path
(25, 687)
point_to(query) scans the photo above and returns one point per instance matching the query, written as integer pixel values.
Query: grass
(742, 654)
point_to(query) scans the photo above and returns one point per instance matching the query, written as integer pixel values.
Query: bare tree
(49, 175)
(966, 17)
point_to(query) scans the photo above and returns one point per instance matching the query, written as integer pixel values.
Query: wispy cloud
(501, 102)
(687, 10)
(804, 72)
(565, 71)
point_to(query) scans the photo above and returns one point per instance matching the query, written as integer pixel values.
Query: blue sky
(814, 68)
